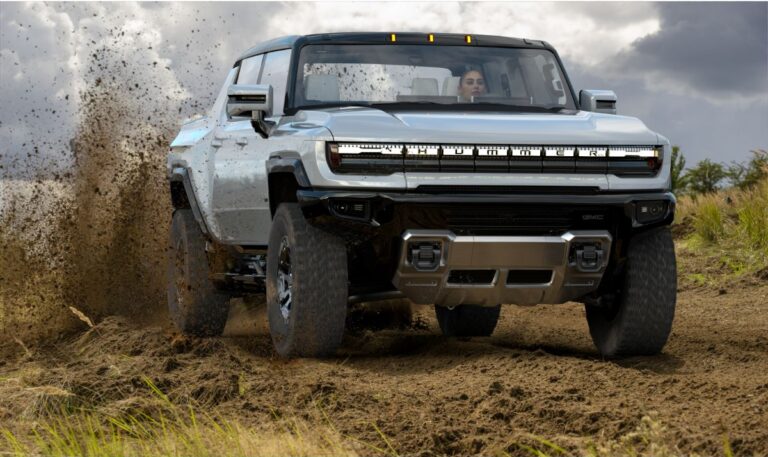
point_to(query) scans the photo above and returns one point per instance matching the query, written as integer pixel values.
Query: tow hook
(589, 258)
(424, 256)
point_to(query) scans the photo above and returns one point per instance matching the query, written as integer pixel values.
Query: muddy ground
(538, 375)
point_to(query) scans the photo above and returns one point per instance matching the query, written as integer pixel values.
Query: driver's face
(472, 85)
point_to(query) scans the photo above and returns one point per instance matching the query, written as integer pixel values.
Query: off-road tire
(195, 305)
(318, 263)
(467, 320)
(640, 321)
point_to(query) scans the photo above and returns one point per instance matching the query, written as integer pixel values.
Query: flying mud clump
(95, 238)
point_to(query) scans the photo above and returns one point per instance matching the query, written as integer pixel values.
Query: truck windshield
(515, 78)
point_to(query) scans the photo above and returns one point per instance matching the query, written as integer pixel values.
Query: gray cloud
(717, 50)
(703, 129)
(692, 71)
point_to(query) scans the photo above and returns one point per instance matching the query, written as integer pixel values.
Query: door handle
(242, 141)
(216, 143)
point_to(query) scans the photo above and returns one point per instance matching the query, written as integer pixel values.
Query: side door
(240, 197)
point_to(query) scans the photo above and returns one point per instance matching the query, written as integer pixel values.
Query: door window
(275, 73)
(250, 69)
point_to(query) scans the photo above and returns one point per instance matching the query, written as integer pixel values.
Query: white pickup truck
(459, 171)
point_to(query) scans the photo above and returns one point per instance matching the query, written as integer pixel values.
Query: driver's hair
(469, 69)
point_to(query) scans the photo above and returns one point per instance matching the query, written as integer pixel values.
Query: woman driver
(471, 84)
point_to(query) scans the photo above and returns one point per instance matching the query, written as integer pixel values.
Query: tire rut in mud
(537, 375)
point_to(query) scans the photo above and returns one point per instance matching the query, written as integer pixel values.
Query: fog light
(351, 209)
(650, 211)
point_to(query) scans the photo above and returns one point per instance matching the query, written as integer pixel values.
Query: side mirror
(599, 101)
(254, 100)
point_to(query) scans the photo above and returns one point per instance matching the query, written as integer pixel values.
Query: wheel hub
(284, 279)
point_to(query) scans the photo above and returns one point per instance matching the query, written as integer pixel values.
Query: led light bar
(633, 160)
(492, 158)
(423, 157)
(387, 158)
(366, 158)
(645, 152)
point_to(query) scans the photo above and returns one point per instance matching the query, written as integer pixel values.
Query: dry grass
(729, 227)
(57, 422)
(187, 432)
(88, 435)
(157, 427)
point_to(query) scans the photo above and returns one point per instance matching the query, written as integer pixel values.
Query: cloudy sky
(695, 72)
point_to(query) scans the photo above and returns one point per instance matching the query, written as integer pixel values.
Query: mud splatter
(94, 237)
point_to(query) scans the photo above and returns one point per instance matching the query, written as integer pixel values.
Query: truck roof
(289, 41)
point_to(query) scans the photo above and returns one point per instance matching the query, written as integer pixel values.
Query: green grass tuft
(708, 222)
(729, 227)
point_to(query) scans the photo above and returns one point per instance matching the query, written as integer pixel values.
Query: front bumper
(487, 241)
(489, 270)
(629, 205)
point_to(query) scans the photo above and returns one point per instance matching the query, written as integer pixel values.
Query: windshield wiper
(421, 104)
(331, 105)
(416, 104)
(524, 108)
(477, 106)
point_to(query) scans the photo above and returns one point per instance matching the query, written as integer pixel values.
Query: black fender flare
(280, 168)
(292, 165)
(180, 174)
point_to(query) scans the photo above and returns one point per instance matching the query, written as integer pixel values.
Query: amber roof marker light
(468, 39)
(431, 38)
(392, 37)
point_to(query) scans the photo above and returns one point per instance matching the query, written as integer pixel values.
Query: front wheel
(306, 286)
(640, 320)
(467, 320)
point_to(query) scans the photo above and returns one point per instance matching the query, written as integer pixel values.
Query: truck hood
(362, 124)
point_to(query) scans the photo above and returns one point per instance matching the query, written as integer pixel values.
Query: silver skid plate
(511, 257)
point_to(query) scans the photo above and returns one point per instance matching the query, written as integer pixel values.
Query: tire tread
(643, 322)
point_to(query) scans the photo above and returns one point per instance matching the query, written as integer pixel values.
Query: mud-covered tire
(640, 321)
(313, 325)
(195, 305)
(467, 320)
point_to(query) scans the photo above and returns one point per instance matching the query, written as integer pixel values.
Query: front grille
(468, 221)
(523, 190)
(508, 220)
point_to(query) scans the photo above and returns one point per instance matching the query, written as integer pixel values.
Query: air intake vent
(471, 276)
(529, 276)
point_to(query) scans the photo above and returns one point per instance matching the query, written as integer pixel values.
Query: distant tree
(705, 177)
(744, 176)
(678, 164)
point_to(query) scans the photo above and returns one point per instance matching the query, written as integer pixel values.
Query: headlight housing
(388, 158)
